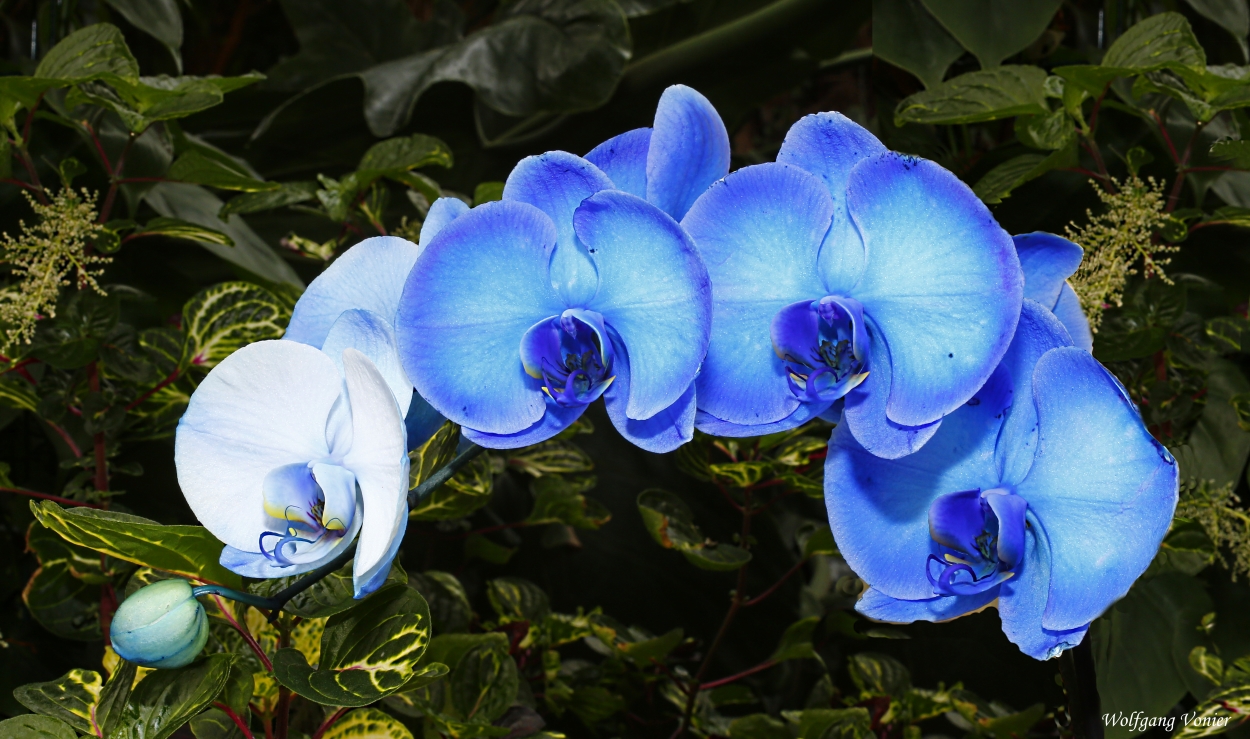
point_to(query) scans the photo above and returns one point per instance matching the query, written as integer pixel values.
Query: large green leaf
(671, 523)
(221, 172)
(287, 193)
(878, 674)
(221, 319)
(907, 36)
(1232, 15)
(176, 228)
(332, 594)
(89, 53)
(190, 551)
(160, 19)
(35, 727)
(367, 723)
(195, 204)
(1163, 41)
(484, 683)
(1000, 181)
(1217, 448)
(63, 594)
(537, 55)
(994, 30)
(1142, 645)
(987, 95)
(449, 603)
(165, 700)
(71, 698)
(796, 642)
(395, 156)
(515, 599)
(464, 493)
(367, 652)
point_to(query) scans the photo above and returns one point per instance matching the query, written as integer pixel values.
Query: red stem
(30, 118)
(173, 376)
(40, 194)
(732, 678)
(247, 636)
(1093, 116)
(328, 723)
(247, 733)
(798, 566)
(99, 147)
(19, 183)
(65, 437)
(101, 458)
(1167, 138)
(46, 496)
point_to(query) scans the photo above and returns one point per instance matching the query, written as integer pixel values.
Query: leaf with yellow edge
(367, 723)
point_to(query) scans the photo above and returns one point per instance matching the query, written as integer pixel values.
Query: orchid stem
(1080, 682)
(444, 474)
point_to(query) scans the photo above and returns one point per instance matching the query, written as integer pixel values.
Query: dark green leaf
(991, 30)
(817, 541)
(1158, 41)
(400, 154)
(63, 604)
(1232, 15)
(594, 703)
(1116, 347)
(367, 652)
(486, 192)
(468, 491)
(558, 500)
(176, 228)
(35, 727)
(552, 457)
(719, 557)
(1142, 646)
(220, 172)
(907, 36)
(225, 317)
(89, 53)
(829, 723)
(515, 599)
(215, 724)
(987, 95)
(1215, 715)
(367, 723)
(1217, 448)
(477, 545)
(878, 674)
(160, 19)
(333, 594)
(190, 551)
(165, 700)
(484, 683)
(1235, 151)
(72, 698)
(758, 726)
(433, 455)
(739, 474)
(796, 642)
(655, 648)
(669, 519)
(195, 204)
(1047, 132)
(448, 601)
(287, 193)
(111, 706)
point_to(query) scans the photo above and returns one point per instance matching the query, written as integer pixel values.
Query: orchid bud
(162, 625)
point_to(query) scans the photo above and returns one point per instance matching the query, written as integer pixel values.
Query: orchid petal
(1022, 600)
(556, 419)
(662, 432)
(373, 336)
(689, 150)
(624, 160)
(880, 607)
(1068, 310)
(709, 424)
(1047, 261)
(442, 212)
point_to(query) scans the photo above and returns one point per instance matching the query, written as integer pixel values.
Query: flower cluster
(980, 456)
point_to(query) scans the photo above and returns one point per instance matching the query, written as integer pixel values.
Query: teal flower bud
(161, 625)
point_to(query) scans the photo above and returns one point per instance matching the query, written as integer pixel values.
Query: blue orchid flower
(520, 313)
(354, 302)
(288, 455)
(672, 164)
(1048, 261)
(848, 274)
(1044, 494)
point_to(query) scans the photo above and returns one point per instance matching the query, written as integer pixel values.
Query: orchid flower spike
(851, 281)
(1044, 495)
(288, 455)
(1048, 261)
(520, 313)
(353, 304)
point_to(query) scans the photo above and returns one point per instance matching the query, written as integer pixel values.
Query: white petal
(379, 458)
(373, 336)
(265, 406)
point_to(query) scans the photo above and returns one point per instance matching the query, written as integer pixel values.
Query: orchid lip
(572, 355)
(980, 536)
(313, 505)
(824, 344)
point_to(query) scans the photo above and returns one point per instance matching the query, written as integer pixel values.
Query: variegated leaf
(367, 723)
(72, 698)
(225, 317)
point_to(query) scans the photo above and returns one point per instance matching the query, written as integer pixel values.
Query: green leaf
(739, 474)
(176, 228)
(1217, 714)
(1016, 724)
(991, 30)
(450, 648)
(286, 193)
(367, 652)
(758, 726)
(89, 53)
(396, 156)
(595, 703)
(449, 603)
(486, 192)
(484, 683)
(1217, 448)
(477, 545)
(669, 520)
(1207, 664)
(988, 95)
(332, 594)
(819, 541)
(1159, 41)
(72, 698)
(1048, 132)
(537, 55)
(552, 457)
(1232, 15)
(433, 454)
(1235, 151)
(830, 723)
(160, 19)
(35, 727)
(718, 557)
(796, 642)
(558, 500)
(197, 205)
(1186, 548)
(215, 724)
(1142, 646)
(655, 648)
(468, 491)
(61, 599)
(223, 318)
(190, 551)
(515, 599)
(142, 101)
(165, 700)
(111, 707)
(907, 36)
(17, 392)
(1110, 346)
(220, 172)
(878, 674)
(367, 723)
